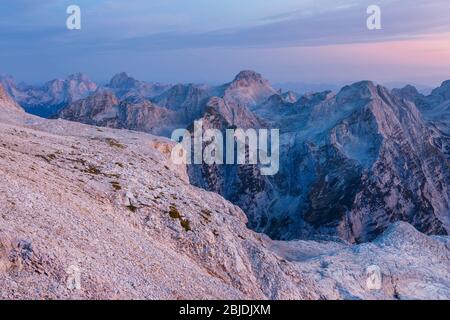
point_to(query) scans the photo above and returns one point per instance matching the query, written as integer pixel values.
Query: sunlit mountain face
(327, 122)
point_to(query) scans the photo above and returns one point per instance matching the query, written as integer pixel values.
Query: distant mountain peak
(127, 87)
(446, 83)
(358, 90)
(6, 102)
(409, 87)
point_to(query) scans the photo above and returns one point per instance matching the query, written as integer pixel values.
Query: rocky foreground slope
(108, 204)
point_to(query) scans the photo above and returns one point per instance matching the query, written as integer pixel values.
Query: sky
(308, 41)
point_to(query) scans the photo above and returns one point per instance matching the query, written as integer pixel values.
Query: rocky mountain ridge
(354, 162)
(126, 87)
(48, 99)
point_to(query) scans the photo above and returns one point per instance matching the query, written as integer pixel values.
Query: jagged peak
(290, 96)
(102, 98)
(364, 84)
(248, 88)
(105, 92)
(446, 83)
(6, 102)
(3, 93)
(8, 77)
(397, 232)
(120, 79)
(215, 101)
(357, 90)
(443, 90)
